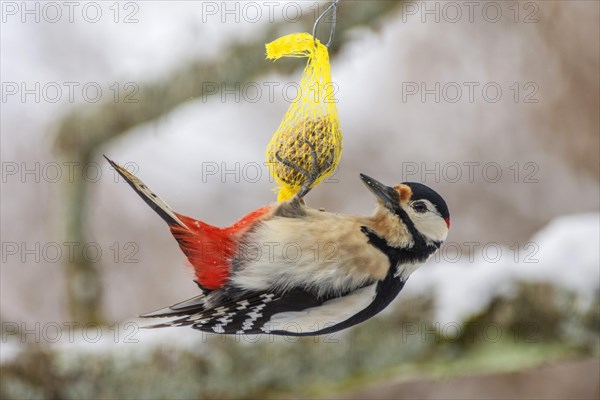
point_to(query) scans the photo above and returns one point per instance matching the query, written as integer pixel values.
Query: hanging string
(332, 8)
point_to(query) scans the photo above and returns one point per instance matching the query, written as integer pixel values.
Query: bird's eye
(419, 207)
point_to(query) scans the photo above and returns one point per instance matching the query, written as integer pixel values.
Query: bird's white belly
(330, 313)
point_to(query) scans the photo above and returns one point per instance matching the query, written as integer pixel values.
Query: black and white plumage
(343, 271)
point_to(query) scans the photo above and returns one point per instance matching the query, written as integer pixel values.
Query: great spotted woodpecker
(288, 269)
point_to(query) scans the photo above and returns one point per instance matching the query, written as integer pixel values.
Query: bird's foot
(310, 176)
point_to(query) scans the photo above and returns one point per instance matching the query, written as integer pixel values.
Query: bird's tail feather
(187, 307)
(155, 202)
(207, 248)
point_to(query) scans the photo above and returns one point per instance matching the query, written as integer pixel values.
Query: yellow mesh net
(310, 121)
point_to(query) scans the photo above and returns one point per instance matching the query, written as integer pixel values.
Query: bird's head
(416, 206)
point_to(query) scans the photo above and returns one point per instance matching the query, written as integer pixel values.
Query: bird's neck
(387, 225)
(396, 237)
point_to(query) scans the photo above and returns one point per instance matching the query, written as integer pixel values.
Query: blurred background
(493, 104)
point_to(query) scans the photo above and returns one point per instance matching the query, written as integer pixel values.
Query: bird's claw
(310, 177)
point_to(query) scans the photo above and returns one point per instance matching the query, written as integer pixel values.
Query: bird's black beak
(388, 195)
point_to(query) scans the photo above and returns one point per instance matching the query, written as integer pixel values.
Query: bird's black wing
(186, 307)
(247, 314)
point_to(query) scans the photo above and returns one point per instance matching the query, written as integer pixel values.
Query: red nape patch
(447, 222)
(209, 248)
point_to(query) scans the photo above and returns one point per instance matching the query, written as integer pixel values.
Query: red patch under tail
(209, 248)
